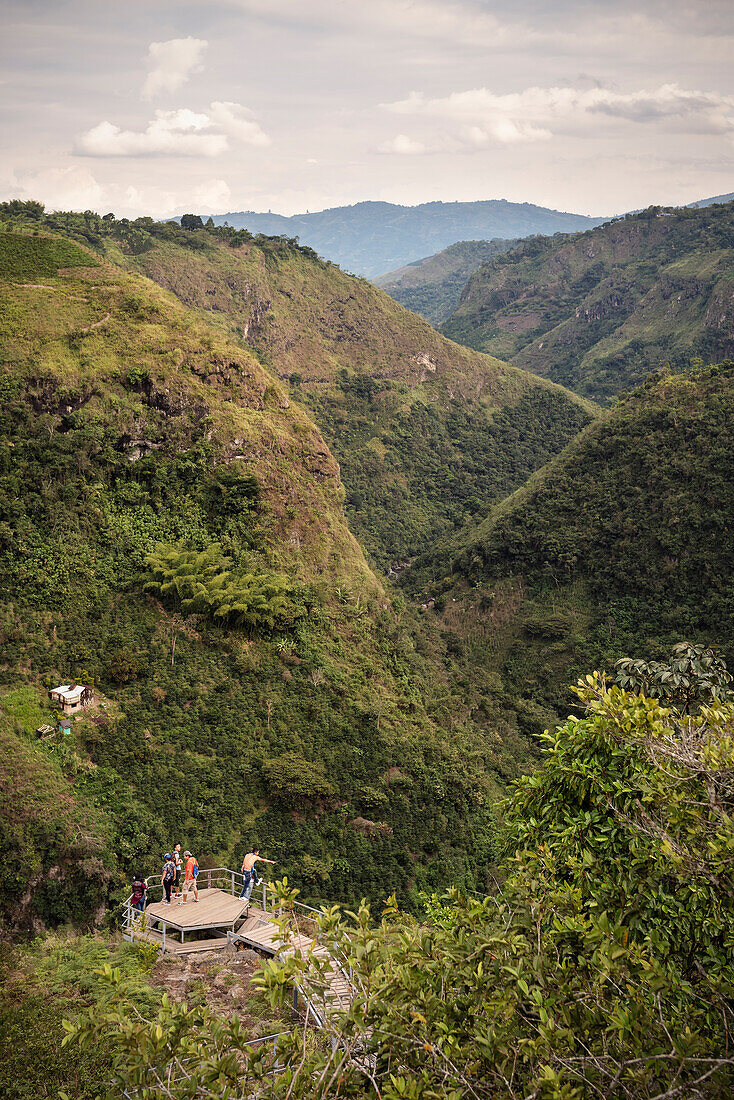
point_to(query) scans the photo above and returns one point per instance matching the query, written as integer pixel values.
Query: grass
(23, 258)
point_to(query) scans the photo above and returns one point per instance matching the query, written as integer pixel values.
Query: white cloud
(59, 188)
(403, 146)
(182, 133)
(171, 64)
(534, 113)
(238, 123)
(211, 197)
(170, 133)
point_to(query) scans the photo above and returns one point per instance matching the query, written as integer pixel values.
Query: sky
(160, 107)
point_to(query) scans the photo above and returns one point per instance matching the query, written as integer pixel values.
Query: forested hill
(621, 545)
(171, 530)
(426, 433)
(433, 286)
(596, 312)
(370, 238)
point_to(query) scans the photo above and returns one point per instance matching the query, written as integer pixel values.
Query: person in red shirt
(139, 888)
(190, 875)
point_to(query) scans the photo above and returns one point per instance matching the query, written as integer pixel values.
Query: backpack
(195, 871)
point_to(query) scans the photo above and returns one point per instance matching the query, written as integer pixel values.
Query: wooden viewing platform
(230, 920)
(214, 909)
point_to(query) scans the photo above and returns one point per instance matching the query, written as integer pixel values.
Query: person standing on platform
(168, 877)
(190, 876)
(139, 888)
(179, 862)
(249, 872)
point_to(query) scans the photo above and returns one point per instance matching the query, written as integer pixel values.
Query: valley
(331, 577)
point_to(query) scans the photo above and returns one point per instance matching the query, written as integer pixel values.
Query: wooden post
(265, 902)
(209, 880)
(232, 873)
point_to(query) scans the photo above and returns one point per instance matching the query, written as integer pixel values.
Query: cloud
(403, 146)
(171, 64)
(59, 188)
(534, 113)
(211, 197)
(181, 133)
(238, 123)
(466, 22)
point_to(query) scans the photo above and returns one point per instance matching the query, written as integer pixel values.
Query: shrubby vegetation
(598, 311)
(201, 582)
(617, 546)
(601, 966)
(433, 286)
(151, 429)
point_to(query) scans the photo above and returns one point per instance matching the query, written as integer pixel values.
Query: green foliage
(191, 221)
(601, 966)
(432, 287)
(416, 470)
(153, 429)
(692, 674)
(25, 258)
(201, 582)
(598, 311)
(620, 543)
(295, 781)
(426, 434)
(39, 986)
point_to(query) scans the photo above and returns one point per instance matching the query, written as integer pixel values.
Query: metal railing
(220, 878)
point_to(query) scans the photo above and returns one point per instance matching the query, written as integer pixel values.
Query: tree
(600, 968)
(191, 221)
(692, 675)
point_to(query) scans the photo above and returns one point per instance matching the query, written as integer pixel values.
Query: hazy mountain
(433, 286)
(598, 311)
(710, 202)
(373, 237)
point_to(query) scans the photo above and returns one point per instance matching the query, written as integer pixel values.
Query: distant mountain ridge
(716, 200)
(371, 238)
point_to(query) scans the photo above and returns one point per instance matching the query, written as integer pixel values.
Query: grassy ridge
(597, 311)
(23, 257)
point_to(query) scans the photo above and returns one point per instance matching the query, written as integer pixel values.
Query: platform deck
(175, 947)
(214, 909)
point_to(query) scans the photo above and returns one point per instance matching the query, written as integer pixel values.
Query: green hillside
(281, 699)
(621, 545)
(425, 432)
(597, 311)
(433, 286)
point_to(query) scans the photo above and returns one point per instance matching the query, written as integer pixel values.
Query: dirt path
(96, 324)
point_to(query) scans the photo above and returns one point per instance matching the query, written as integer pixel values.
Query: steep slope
(433, 286)
(621, 545)
(372, 237)
(425, 432)
(304, 719)
(597, 311)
